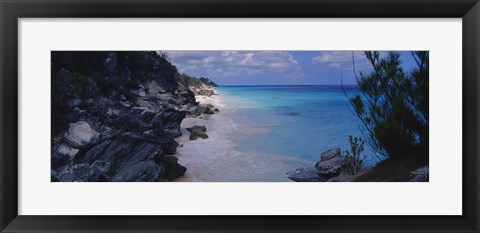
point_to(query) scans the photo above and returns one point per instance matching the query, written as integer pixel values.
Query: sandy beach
(218, 158)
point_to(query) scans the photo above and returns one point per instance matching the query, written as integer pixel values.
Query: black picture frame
(12, 10)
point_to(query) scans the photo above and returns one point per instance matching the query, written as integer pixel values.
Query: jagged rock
(53, 176)
(116, 150)
(329, 154)
(109, 133)
(173, 170)
(206, 92)
(207, 109)
(420, 175)
(149, 133)
(118, 109)
(76, 102)
(303, 175)
(140, 171)
(169, 146)
(193, 110)
(80, 135)
(331, 166)
(106, 168)
(95, 152)
(80, 173)
(143, 151)
(129, 122)
(63, 155)
(113, 112)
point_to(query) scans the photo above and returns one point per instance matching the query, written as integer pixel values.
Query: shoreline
(220, 158)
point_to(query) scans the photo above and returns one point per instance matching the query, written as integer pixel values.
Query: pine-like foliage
(393, 104)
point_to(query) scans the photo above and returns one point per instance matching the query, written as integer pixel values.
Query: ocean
(297, 121)
(262, 132)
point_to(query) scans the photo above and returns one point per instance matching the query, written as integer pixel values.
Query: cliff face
(115, 116)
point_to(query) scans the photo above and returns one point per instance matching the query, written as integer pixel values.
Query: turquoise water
(296, 121)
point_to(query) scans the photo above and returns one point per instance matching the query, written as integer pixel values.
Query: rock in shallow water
(200, 128)
(80, 135)
(173, 170)
(331, 166)
(303, 175)
(197, 131)
(330, 154)
(331, 162)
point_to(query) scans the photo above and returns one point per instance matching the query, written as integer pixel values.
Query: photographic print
(239, 116)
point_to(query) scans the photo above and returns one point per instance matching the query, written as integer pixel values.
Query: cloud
(342, 60)
(235, 63)
(334, 65)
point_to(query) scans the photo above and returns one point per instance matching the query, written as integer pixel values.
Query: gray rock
(196, 135)
(62, 155)
(95, 152)
(193, 110)
(200, 128)
(106, 168)
(329, 154)
(80, 135)
(149, 133)
(207, 109)
(76, 102)
(206, 92)
(420, 175)
(197, 131)
(331, 166)
(53, 176)
(120, 114)
(143, 151)
(109, 133)
(139, 172)
(113, 112)
(303, 175)
(80, 173)
(173, 170)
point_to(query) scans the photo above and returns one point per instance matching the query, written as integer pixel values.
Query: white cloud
(235, 63)
(344, 60)
(334, 65)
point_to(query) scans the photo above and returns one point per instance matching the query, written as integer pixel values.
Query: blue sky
(275, 67)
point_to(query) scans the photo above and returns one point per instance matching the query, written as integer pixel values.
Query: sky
(276, 67)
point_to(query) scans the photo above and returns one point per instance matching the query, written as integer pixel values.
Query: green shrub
(354, 161)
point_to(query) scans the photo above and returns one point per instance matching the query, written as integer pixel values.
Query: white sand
(217, 158)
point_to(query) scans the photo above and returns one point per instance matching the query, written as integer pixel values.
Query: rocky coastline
(115, 116)
(331, 168)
